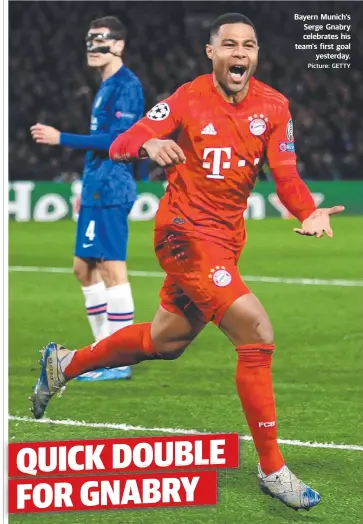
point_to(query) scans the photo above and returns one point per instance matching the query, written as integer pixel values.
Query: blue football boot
(122, 373)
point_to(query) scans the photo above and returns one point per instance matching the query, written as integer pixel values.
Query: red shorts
(202, 276)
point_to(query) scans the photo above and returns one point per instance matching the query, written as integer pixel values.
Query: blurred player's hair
(116, 27)
(229, 18)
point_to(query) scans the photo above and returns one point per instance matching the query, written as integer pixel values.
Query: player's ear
(120, 46)
(209, 51)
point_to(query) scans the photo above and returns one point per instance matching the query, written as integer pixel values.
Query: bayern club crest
(220, 276)
(258, 124)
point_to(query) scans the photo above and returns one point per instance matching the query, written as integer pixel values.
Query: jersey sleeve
(281, 145)
(160, 122)
(291, 190)
(128, 109)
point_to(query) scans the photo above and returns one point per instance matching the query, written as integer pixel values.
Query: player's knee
(173, 355)
(246, 322)
(113, 280)
(114, 273)
(265, 333)
(82, 275)
(172, 333)
(259, 332)
(172, 351)
(85, 272)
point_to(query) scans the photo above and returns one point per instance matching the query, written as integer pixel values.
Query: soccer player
(109, 190)
(227, 123)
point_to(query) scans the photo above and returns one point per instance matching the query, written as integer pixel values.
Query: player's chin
(94, 60)
(236, 87)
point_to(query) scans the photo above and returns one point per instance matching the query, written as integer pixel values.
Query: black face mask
(94, 48)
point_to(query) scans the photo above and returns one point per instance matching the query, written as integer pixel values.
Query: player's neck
(110, 69)
(231, 98)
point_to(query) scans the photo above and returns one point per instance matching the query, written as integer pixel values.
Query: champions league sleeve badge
(290, 131)
(159, 112)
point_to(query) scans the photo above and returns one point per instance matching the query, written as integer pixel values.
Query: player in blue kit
(109, 189)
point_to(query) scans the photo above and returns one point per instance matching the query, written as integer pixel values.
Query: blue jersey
(118, 104)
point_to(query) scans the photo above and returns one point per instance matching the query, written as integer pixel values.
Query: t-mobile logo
(221, 157)
(267, 424)
(217, 160)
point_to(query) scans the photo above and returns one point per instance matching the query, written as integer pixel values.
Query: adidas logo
(209, 130)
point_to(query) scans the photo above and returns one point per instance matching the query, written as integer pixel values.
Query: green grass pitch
(317, 368)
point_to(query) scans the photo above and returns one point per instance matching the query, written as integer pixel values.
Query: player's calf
(165, 338)
(255, 389)
(125, 347)
(247, 325)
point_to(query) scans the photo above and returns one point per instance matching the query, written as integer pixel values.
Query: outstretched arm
(128, 109)
(48, 135)
(291, 189)
(296, 197)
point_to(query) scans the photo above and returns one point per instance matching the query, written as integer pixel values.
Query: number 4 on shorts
(90, 232)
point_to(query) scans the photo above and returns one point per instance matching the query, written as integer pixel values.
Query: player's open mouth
(237, 72)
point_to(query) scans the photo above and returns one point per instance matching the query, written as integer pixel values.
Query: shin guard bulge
(255, 389)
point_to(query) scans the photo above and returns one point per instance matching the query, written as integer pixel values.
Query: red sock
(255, 389)
(126, 347)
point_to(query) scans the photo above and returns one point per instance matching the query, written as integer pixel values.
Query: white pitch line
(127, 427)
(246, 278)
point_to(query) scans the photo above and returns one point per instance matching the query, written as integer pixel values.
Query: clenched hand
(164, 152)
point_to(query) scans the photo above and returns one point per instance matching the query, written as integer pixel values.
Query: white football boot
(285, 486)
(52, 380)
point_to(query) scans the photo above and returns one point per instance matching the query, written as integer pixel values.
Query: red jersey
(225, 146)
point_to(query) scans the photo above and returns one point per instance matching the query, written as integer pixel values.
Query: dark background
(50, 82)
